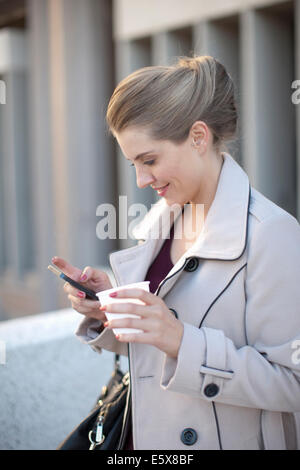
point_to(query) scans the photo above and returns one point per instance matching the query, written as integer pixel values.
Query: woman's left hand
(159, 325)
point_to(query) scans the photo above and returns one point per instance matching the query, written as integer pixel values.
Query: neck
(206, 195)
(196, 210)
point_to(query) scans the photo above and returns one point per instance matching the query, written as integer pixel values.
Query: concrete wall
(138, 18)
(49, 379)
(242, 35)
(56, 160)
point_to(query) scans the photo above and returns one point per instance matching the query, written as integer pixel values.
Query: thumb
(92, 274)
(86, 274)
(99, 279)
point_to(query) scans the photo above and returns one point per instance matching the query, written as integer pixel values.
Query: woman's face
(178, 169)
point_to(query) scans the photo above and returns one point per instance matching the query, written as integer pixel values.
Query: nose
(143, 178)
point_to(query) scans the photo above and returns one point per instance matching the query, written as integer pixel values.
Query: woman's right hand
(91, 278)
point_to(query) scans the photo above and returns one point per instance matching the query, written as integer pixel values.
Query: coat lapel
(131, 265)
(223, 236)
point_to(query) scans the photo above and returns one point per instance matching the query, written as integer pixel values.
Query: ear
(200, 135)
(199, 131)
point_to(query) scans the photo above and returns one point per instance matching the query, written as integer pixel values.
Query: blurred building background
(60, 61)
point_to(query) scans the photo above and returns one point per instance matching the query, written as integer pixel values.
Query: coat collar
(224, 234)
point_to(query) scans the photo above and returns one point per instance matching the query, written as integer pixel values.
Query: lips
(162, 190)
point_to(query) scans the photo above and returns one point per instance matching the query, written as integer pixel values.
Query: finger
(87, 307)
(95, 278)
(67, 268)
(140, 324)
(74, 291)
(144, 338)
(70, 289)
(86, 274)
(135, 309)
(85, 303)
(140, 294)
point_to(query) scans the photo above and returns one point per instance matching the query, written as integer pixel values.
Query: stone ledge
(50, 380)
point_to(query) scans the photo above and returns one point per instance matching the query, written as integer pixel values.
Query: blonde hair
(169, 99)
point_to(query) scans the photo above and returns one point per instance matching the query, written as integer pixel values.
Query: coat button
(174, 312)
(189, 436)
(192, 265)
(211, 390)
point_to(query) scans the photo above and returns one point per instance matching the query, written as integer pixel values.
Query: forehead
(134, 135)
(134, 141)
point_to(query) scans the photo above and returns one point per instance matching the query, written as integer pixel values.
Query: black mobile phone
(90, 294)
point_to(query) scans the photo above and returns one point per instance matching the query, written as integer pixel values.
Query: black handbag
(107, 425)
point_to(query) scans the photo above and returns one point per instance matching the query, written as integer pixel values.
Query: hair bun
(195, 62)
(168, 100)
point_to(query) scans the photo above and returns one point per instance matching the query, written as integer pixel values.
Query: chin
(171, 202)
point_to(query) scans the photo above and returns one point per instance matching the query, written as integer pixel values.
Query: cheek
(175, 172)
(185, 175)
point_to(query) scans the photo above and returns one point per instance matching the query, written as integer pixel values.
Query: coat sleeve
(265, 373)
(91, 331)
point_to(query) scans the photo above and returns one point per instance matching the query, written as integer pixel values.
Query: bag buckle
(99, 438)
(126, 379)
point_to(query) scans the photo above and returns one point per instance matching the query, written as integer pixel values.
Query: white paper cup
(105, 299)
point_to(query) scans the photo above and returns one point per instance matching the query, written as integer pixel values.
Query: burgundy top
(158, 270)
(162, 264)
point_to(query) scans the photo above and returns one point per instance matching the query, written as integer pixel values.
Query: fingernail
(118, 336)
(113, 294)
(105, 324)
(81, 294)
(83, 277)
(54, 259)
(102, 307)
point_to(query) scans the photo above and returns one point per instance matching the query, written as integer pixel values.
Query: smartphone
(90, 294)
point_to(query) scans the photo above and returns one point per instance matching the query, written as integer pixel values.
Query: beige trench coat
(236, 381)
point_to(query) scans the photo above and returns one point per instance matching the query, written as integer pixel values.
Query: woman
(216, 365)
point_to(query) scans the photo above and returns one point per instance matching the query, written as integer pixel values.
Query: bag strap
(117, 362)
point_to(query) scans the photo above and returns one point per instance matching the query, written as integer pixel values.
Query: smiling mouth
(162, 189)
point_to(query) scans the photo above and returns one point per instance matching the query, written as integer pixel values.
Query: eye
(149, 162)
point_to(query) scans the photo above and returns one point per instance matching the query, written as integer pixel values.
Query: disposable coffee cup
(105, 299)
